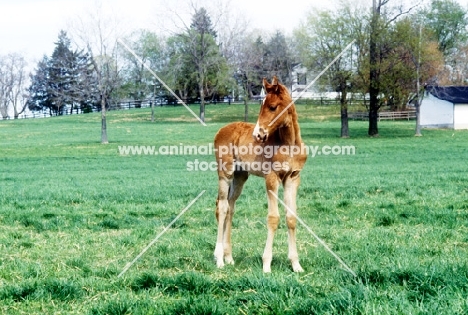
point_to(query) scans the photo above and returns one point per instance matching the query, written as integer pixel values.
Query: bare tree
(99, 32)
(237, 45)
(4, 88)
(13, 79)
(248, 63)
(18, 95)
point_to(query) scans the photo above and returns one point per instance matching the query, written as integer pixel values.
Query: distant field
(73, 212)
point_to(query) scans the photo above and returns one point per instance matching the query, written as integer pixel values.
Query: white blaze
(256, 129)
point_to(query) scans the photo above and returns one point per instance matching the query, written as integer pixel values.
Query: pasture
(74, 212)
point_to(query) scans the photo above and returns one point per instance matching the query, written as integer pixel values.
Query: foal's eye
(272, 109)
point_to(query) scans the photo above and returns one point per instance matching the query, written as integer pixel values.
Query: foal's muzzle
(260, 134)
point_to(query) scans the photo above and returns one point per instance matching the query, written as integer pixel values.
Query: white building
(301, 78)
(445, 107)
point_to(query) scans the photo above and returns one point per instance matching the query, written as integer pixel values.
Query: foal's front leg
(272, 220)
(290, 189)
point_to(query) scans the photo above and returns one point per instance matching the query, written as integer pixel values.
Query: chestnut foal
(272, 149)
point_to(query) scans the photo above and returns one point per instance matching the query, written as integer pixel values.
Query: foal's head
(271, 115)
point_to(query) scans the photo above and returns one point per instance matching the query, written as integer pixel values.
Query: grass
(74, 212)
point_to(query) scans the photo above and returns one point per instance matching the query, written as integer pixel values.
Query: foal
(271, 149)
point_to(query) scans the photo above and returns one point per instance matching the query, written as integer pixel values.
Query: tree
(137, 82)
(448, 20)
(107, 78)
(413, 58)
(457, 72)
(181, 71)
(39, 88)
(248, 64)
(381, 55)
(18, 94)
(204, 53)
(60, 73)
(63, 80)
(278, 58)
(374, 87)
(237, 44)
(13, 85)
(195, 58)
(4, 89)
(323, 37)
(386, 58)
(99, 34)
(86, 90)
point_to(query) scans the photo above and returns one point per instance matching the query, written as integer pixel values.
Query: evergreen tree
(278, 59)
(65, 80)
(201, 23)
(39, 88)
(86, 90)
(61, 79)
(203, 51)
(196, 66)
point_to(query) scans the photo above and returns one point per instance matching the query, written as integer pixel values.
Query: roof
(452, 94)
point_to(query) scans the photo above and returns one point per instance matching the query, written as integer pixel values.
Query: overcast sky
(31, 26)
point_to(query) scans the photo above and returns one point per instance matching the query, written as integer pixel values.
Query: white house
(299, 82)
(301, 78)
(445, 107)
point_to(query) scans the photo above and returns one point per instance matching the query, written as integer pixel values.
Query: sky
(31, 27)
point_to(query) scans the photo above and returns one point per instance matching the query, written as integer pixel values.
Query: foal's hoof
(219, 264)
(229, 260)
(297, 267)
(266, 264)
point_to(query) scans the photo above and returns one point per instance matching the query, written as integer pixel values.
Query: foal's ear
(266, 85)
(274, 81)
(273, 87)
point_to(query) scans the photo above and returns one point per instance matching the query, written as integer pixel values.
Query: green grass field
(74, 212)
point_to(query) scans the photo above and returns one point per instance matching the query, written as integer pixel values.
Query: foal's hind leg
(234, 192)
(222, 209)
(272, 220)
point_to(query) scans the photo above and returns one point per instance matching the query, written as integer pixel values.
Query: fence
(122, 105)
(28, 115)
(409, 114)
(125, 105)
(131, 104)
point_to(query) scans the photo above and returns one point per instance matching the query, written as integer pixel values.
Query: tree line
(396, 49)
